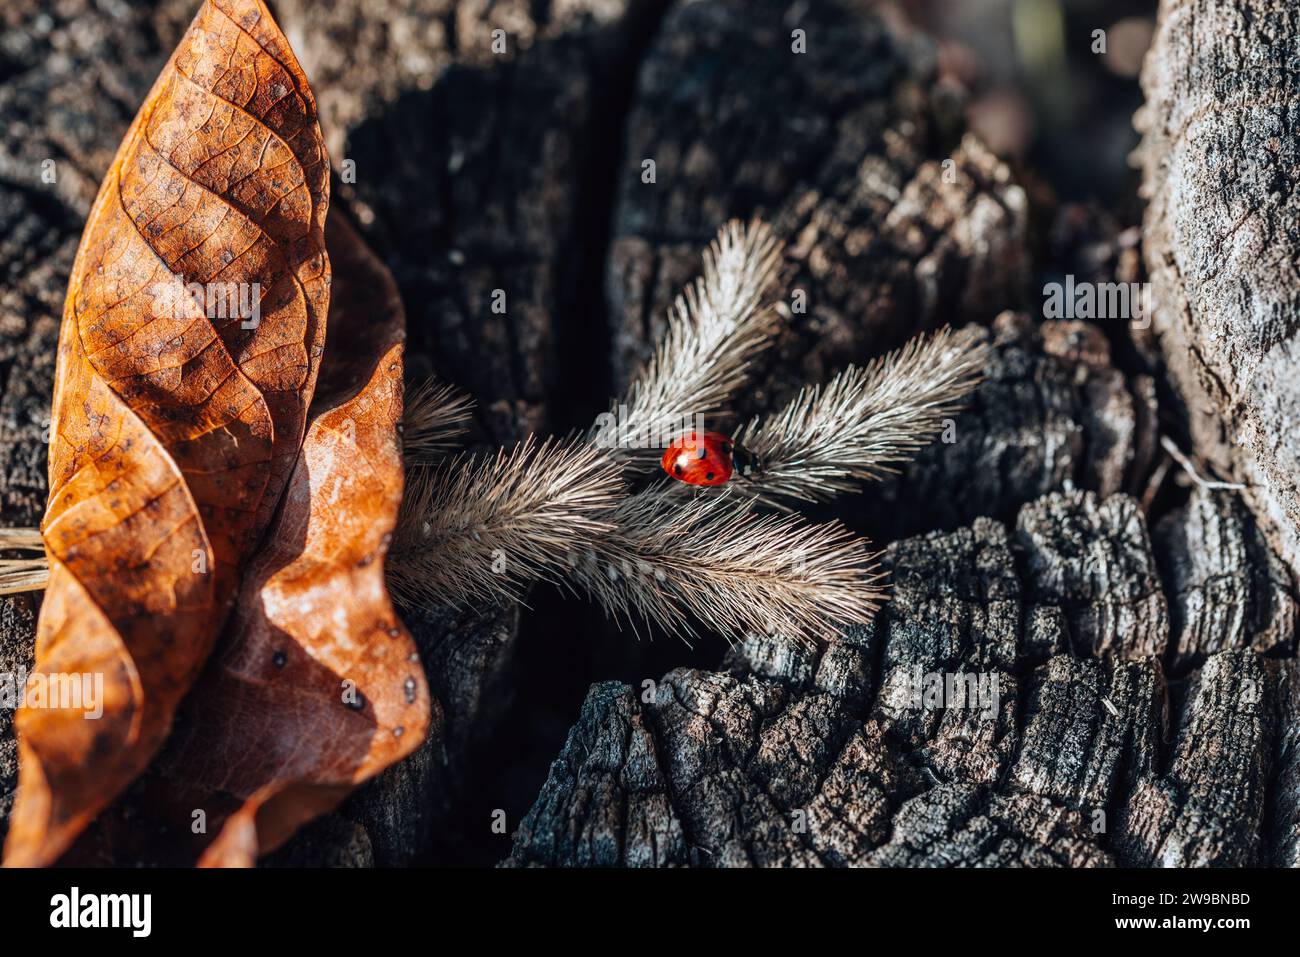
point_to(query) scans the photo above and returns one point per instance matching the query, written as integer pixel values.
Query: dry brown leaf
(272, 734)
(318, 685)
(175, 434)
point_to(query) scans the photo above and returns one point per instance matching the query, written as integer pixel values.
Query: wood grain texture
(1219, 158)
(824, 758)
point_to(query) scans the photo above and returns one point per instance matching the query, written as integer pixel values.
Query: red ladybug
(706, 460)
(700, 459)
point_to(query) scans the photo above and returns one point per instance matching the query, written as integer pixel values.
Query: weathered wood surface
(1216, 565)
(1123, 641)
(827, 757)
(1053, 412)
(1219, 160)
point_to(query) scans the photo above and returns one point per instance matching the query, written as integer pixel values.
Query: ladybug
(705, 459)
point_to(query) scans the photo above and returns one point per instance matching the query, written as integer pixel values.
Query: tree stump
(1129, 645)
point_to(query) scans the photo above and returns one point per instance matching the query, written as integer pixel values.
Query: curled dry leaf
(176, 421)
(317, 686)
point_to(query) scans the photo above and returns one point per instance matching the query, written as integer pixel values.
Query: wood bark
(824, 757)
(1219, 161)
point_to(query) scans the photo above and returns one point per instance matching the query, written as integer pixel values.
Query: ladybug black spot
(709, 476)
(678, 470)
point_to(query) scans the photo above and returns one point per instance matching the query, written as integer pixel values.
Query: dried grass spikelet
(433, 417)
(863, 423)
(480, 528)
(29, 573)
(477, 528)
(716, 327)
(714, 560)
